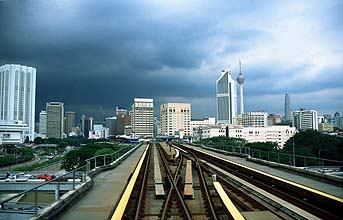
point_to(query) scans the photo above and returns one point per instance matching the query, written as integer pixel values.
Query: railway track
(182, 183)
(284, 199)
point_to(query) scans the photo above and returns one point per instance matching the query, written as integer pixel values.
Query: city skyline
(97, 55)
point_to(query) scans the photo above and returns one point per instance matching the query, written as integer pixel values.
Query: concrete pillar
(57, 191)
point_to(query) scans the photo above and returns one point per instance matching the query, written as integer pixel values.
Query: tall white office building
(18, 95)
(142, 118)
(226, 98)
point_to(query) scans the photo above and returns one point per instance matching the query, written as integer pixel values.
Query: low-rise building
(325, 127)
(195, 123)
(12, 132)
(204, 132)
(274, 119)
(99, 132)
(277, 134)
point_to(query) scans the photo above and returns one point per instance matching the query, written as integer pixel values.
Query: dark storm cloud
(91, 53)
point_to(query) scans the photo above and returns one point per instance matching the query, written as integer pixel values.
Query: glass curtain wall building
(226, 98)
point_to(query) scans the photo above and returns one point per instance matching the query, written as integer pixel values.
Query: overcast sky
(91, 53)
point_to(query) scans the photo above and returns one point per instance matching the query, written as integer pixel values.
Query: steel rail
(174, 187)
(143, 187)
(204, 187)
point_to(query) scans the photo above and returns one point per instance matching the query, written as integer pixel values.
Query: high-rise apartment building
(69, 122)
(255, 119)
(18, 95)
(305, 119)
(176, 119)
(288, 111)
(142, 118)
(42, 123)
(226, 98)
(54, 119)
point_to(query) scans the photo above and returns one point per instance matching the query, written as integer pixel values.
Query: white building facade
(18, 96)
(203, 122)
(99, 132)
(276, 134)
(175, 119)
(12, 132)
(226, 98)
(142, 118)
(204, 132)
(305, 119)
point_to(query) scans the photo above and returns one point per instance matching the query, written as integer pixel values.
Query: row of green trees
(71, 141)
(316, 144)
(306, 143)
(14, 154)
(77, 158)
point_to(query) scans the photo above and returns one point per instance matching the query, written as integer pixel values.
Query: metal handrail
(244, 151)
(36, 187)
(58, 178)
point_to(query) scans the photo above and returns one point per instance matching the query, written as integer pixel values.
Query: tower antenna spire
(240, 67)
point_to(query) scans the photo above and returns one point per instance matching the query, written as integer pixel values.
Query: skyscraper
(18, 95)
(111, 124)
(69, 123)
(176, 119)
(42, 123)
(86, 125)
(142, 118)
(240, 80)
(54, 119)
(226, 98)
(288, 111)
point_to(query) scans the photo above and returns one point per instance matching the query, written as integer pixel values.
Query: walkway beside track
(306, 181)
(105, 193)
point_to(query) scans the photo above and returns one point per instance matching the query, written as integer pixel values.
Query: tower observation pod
(240, 80)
